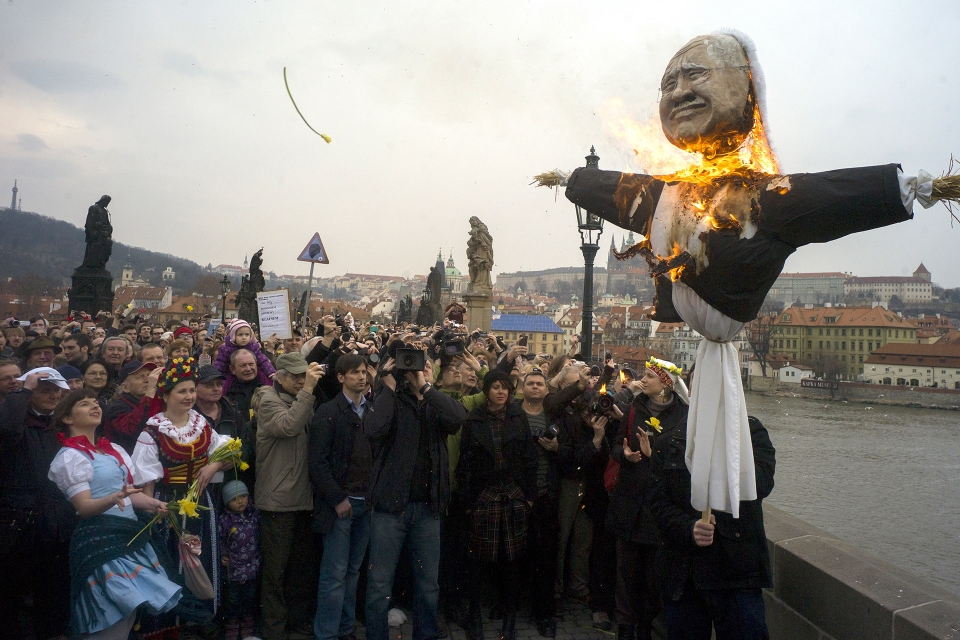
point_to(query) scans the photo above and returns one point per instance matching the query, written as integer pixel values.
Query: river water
(886, 478)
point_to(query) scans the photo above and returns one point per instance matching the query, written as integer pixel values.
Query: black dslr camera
(549, 432)
(600, 404)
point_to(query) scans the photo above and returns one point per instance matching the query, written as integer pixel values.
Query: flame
(655, 155)
(603, 389)
(623, 377)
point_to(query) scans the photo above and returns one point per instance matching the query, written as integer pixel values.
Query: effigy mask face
(707, 103)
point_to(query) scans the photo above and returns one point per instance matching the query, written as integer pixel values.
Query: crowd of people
(385, 467)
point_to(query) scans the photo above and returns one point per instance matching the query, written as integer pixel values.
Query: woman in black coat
(657, 411)
(497, 478)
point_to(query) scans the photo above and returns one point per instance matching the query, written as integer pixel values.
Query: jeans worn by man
(340, 462)
(409, 491)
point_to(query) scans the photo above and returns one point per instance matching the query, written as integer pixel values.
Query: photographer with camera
(575, 531)
(544, 518)
(585, 418)
(409, 485)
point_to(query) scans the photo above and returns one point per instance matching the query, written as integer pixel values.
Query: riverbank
(884, 479)
(869, 394)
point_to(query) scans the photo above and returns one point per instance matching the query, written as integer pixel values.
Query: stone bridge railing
(828, 589)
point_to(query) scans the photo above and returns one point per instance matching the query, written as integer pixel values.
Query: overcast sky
(437, 111)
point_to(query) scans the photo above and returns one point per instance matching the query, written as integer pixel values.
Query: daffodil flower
(654, 424)
(189, 507)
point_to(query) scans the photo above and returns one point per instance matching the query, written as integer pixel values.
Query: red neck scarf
(82, 443)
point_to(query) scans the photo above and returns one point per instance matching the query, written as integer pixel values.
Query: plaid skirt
(498, 525)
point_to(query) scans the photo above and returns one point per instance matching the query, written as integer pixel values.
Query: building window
(861, 331)
(809, 344)
(821, 344)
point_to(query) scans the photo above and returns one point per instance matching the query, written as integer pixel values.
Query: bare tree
(758, 334)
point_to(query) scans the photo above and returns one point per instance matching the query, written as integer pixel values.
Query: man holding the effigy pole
(716, 236)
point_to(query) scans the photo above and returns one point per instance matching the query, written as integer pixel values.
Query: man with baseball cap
(222, 417)
(127, 416)
(284, 497)
(37, 520)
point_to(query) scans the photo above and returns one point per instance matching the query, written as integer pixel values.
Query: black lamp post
(224, 290)
(590, 226)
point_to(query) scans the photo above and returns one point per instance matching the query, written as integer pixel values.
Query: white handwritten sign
(274, 311)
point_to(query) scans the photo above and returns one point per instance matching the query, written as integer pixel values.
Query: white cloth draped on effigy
(717, 234)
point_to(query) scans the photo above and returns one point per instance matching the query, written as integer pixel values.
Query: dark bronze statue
(99, 235)
(250, 286)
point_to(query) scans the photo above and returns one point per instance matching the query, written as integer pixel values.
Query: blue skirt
(119, 588)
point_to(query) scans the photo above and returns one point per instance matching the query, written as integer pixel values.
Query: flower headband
(663, 369)
(177, 370)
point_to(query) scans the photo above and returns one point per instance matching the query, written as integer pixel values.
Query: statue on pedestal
(250, 286)
(92, 289)
(99, 235)
(480, 255)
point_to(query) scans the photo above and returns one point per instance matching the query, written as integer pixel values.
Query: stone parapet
(828, 589)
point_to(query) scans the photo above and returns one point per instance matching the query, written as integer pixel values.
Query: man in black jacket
(409, 490)
(36, 519)
(711, 574)
(544, 521)
(339, 461)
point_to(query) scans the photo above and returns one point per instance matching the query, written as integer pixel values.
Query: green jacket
(470, 402)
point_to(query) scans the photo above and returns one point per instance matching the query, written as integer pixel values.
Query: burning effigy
(716, 234)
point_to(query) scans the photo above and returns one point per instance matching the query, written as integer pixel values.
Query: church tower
(441, 269)
(126, 276)
(13, 201)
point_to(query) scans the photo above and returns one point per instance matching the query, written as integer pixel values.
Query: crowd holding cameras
(385, 467)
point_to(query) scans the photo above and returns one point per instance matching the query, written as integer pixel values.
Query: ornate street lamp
(224, 290)
(590, 226)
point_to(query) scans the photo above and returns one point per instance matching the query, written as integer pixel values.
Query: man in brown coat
(285, 500)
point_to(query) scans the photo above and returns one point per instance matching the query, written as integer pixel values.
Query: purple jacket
(240, 541)
(222, 363)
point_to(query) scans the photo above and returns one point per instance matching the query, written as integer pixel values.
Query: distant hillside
(32, 244)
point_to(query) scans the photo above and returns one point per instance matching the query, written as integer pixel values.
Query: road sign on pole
(314, 251)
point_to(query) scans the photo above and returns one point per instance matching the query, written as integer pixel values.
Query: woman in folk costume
(717, 234)
(171, 453)
(658, 412)
(110, 577)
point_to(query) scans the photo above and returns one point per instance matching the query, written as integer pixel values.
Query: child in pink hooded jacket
(240, 336)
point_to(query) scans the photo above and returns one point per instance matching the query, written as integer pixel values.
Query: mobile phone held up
(522, 342)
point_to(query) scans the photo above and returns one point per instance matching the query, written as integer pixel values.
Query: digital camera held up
(549, 432)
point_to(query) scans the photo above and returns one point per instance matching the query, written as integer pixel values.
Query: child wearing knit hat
(240, 542)
(240, 336)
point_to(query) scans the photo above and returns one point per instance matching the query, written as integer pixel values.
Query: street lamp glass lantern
(590, 225)
(225, 285)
